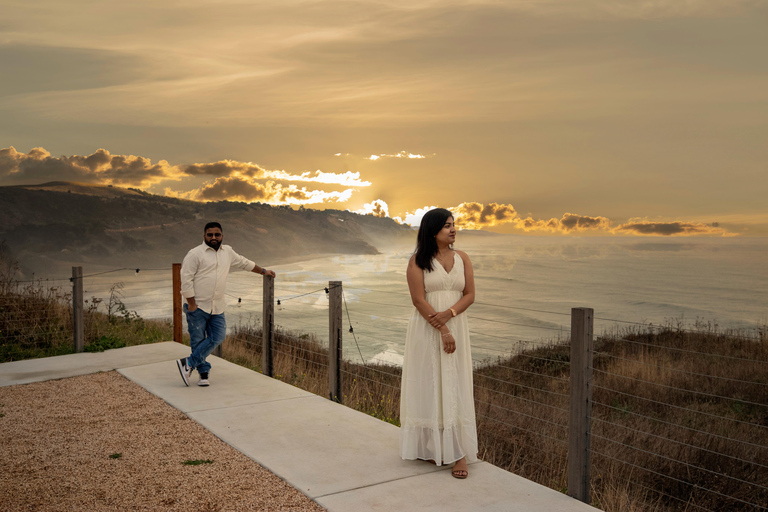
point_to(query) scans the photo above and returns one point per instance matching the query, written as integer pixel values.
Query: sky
(573, 117)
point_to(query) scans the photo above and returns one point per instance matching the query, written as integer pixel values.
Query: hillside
(53, 226)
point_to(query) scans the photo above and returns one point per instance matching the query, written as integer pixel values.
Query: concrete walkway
(345, 460)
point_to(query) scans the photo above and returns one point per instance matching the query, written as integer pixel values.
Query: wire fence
(679, 418)
(37, 316)
(686, 413)
(34, 315)
(679, 415)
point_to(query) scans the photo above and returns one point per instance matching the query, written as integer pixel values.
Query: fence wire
(678, 413)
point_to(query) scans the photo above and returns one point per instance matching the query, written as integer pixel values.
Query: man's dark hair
(212, 225)
(426, 245)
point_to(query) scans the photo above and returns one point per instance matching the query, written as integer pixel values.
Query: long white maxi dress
(437, 409)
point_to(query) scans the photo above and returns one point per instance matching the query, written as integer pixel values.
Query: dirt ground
(100, 442)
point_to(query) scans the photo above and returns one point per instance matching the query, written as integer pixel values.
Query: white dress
(437, 409)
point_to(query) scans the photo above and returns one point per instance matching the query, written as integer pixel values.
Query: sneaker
(203, 380)
(184, 370)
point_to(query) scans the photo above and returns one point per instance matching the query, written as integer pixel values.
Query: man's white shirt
(204, 275)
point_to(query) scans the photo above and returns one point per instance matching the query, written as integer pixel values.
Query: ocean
(525, 289)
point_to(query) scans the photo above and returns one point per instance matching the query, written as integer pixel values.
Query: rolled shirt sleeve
(239, 262)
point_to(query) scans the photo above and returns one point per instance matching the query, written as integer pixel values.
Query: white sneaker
(184, 370)
(203, 380)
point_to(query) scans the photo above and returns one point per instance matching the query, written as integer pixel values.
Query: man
(203, 283)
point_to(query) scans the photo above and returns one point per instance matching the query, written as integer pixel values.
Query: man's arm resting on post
(242, 263)
(260, 270)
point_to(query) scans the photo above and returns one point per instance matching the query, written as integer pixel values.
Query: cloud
(482, 216)
(347, 179)
(570, 222)
(479, 216)
(100, 167)
(235, 188)
(222, 168)
(677, 228)
(377, 208)
(414, 219)
(233, 180)
(246, 181)
(468, 215)
(251, 170)
(401, 154)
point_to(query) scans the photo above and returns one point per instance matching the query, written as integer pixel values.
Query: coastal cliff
(53, 226)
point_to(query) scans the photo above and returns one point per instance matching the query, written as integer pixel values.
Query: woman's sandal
(459, 473)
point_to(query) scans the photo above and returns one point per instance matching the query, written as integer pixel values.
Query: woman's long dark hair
(426, 245)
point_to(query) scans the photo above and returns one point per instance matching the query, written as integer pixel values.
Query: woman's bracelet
(446, 334)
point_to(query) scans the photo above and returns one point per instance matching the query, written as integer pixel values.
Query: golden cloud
(479, 216)
(235, 188)
(401, 154)
(250, 170)
(347, 179)
(569, 223)
(234, 180)
(377, 208)
(677, 228)
(222, 168)
(100, 167)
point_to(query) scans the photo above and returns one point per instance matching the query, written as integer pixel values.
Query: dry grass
(302, 361)
(36, 321)
(101, 442)
(691, 408)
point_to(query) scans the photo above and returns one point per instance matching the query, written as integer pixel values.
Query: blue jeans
(206, 332)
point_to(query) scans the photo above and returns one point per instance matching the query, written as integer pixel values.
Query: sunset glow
(562, 118)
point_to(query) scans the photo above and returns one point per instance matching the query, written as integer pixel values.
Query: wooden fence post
(334, 340)
(267, 327)
(178, 337)
(581, 403)
(78, 333)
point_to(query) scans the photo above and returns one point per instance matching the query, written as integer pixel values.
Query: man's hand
(270, 273)
(191, 304)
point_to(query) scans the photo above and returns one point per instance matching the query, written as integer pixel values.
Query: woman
(437, 410)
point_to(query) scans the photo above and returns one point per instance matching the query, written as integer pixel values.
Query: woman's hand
(449, 344)
(437, 320)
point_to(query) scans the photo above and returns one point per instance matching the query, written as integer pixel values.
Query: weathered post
(581, 403)
(177, 332)
(267, 327)
(78, 333)
(334, 340)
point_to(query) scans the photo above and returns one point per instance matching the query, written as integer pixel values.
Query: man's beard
(213, 243)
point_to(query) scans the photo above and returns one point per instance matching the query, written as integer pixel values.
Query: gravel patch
(100, 442)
